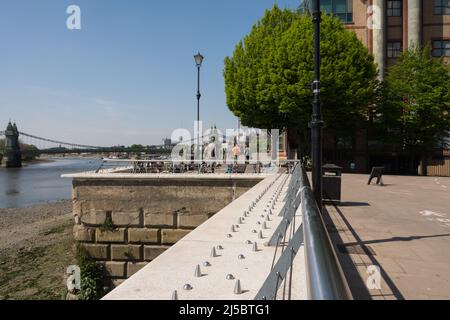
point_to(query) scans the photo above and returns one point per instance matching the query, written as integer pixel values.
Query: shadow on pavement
(395, 239)
(354, 204)
(356, 283)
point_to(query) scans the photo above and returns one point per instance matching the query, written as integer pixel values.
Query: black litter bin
(331, 180)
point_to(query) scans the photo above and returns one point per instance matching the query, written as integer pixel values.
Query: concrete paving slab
(404, 223)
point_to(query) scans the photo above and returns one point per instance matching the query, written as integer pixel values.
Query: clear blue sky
(128, 76)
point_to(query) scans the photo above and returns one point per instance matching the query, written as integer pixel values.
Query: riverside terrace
(253, 244)
(402, 228)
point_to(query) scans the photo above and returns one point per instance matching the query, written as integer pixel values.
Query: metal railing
(286, 241)
(178, 166)
(325, 279)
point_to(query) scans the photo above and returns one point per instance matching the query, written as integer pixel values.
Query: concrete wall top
(160, 176)
(233, 240)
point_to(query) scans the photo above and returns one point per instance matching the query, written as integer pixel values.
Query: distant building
(167, 142)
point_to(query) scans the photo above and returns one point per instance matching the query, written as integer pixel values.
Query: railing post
(316, 118)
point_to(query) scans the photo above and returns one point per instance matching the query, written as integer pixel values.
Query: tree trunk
(424, 164)
(298, 142)
(411, 164)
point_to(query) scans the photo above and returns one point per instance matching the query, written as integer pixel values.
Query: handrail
(202, 166)
(325, 279)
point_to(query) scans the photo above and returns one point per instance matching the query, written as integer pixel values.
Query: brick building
(386, 27)
(401, 23)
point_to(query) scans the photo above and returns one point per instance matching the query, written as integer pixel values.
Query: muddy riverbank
(36, 247)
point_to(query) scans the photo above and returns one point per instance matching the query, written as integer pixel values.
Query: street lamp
(316, 118)
(198, 62)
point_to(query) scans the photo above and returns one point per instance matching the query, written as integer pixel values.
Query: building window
(394, 49)
(394, 8)
(441, 7)
(441, 48)
(343, 9)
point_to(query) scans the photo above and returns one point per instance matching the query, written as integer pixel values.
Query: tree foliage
(268, 78)
(414, 111)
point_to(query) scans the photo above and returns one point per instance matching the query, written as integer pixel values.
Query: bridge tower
(12, 156)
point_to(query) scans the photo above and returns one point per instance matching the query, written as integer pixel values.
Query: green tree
(29, 152)
(137, 148)
(414, 111)
(268, 78)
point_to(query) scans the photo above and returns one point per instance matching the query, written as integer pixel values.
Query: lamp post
(198, 62)
(316, 118)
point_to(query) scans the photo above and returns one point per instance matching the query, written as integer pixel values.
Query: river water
(41, 182)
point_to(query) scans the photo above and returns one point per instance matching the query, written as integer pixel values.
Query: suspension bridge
(18, 143)
(53, 146)
(44, 145)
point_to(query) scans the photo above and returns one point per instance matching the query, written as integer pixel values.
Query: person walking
(247, 154)
(236, 151)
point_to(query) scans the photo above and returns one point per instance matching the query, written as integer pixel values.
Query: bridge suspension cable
(75, 145)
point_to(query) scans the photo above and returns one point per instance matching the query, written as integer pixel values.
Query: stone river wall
(126, 223)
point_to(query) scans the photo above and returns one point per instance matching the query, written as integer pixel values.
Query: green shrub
(108, 225)
(91, 276)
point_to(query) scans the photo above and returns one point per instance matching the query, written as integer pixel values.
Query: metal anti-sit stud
(213, 252)
(187, 286)
(260, 235)
(206, 264)
(219, 247)
(198, 272)
(175, 295)
(230, 276)
(241, 257)
(237, 287)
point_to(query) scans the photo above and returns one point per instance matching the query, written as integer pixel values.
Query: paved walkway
(402, 227)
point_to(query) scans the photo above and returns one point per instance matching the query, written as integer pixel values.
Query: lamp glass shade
(198, 59)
